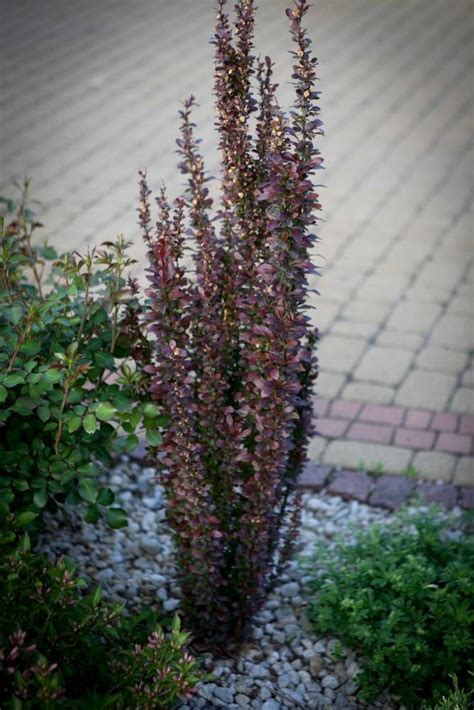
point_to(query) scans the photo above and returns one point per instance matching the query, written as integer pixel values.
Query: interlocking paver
(442, 494)
(464, 471)
(444, 422)
(418, 419)
(352, 485)
(435, 466)
(414, 438)
(454, 443)
(377, 433)
(426, 389)
(383, 365)
(368, 392)
(392, 491)
(332, 428)
(354, 453)
(380, 414)
(345, 409)
(463, 400)
(91, 95)
(441, 360)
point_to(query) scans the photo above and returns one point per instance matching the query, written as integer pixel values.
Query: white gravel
(286, 665)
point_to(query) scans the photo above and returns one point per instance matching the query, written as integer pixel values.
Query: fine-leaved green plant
(402, 595)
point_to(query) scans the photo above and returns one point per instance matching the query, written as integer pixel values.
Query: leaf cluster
(62, 647)
(402, 595)
(71, 389)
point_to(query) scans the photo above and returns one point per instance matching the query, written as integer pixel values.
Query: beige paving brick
(339, 354)
(461, 306)
(426, 390)
(324, 313)
(351, 454)
(413, 316)
(369, 392)
(386, 366)
(463, 401)
(366, 311)
(464, 471)
(434, 466)
(441, 359)
(468, 378)
(316, 448)
(455, 332)
(329, 384)
(406, 341)
(354, 329)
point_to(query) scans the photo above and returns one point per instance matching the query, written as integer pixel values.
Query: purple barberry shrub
(234, 361)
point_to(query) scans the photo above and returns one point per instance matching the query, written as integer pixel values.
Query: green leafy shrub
(403, 596)
(70, 387)
(62, 648)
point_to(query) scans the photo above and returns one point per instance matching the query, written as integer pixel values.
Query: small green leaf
(92, 514)
(53, 376)
(105, 411)
(25, 543)
(30, 347)
(66, 477)
(25, 518)
(13, 314)
(24, 406)
(90, 424)
(13, 380)
(3, 393)
(154, 437)
(95, 596)
(116, 518)
(151, 410)
(73, 424)
(44, 413)
(105, 497)
(88, 490)
(40, 498)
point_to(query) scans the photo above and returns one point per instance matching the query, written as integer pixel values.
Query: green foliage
(402, 595)
(61, 648)
(70, 387)
(456, 699)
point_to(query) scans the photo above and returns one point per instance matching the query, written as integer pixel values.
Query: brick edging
(416, 429)
(386, 491)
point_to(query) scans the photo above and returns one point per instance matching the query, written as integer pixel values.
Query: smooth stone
(224, 694)
(330, 681)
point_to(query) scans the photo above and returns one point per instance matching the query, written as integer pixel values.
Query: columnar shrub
(234, 349)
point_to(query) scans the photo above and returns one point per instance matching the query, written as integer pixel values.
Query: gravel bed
(286, 664)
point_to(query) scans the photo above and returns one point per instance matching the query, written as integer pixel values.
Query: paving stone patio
(90, 92)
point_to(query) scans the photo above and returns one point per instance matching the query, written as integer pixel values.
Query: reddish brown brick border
(415, 429)
(388, 491)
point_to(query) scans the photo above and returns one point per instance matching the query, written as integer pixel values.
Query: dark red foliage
(234, 361)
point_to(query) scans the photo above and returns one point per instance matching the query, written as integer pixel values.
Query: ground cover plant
(233, 347)
(402, 595)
